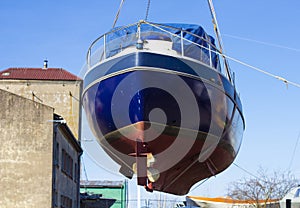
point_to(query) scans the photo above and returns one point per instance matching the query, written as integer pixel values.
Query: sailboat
(161, 100)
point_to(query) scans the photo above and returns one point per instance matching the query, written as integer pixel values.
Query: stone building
(54, 87)
(39, 155)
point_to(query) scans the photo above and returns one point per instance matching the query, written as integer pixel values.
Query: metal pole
(138, 197)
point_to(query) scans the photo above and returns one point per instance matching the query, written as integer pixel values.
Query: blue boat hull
(186, 115)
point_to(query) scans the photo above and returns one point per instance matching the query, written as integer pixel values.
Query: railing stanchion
(210, 57)
(89, 58)
(182, 47)
(104, 47)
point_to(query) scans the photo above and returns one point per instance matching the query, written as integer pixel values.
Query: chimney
(45, 64)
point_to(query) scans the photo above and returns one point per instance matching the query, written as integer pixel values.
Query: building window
(76, 173)
(67, 164)
(56, 155)
(65, 201)
(55, 199)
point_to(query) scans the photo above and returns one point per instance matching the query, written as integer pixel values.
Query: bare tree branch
(263, 187)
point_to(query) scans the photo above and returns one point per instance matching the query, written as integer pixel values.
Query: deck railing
(135, 37)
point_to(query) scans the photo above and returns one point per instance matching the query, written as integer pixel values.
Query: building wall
(26, 138)
(66, 163)
(63, 96)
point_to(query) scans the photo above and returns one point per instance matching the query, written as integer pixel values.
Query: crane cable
(219, 38)
(147, 10)
(118, 13)
(120, 8)
(217, 31)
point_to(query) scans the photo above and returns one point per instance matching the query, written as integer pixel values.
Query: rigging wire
(287, 82)
(202, 182)
(84, 169)
(258, 69)
(243, 169)
(294, 152)
(246, 171)
(85, 173)
(118, 13)
(90, 156)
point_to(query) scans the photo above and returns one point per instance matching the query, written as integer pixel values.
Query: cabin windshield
(184, 40)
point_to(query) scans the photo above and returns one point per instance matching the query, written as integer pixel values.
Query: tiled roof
(38, 74)
(103, 184)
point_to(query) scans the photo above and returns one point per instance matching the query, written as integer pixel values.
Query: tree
(263, 187)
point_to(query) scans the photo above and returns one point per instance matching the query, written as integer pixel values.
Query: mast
(218, 35)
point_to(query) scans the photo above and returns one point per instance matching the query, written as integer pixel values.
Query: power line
(262, 42)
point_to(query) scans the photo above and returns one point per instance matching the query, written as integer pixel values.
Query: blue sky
(264, 34)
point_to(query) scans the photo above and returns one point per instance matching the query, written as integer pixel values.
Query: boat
(226, 202)
(161, 104)
(291, 199)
